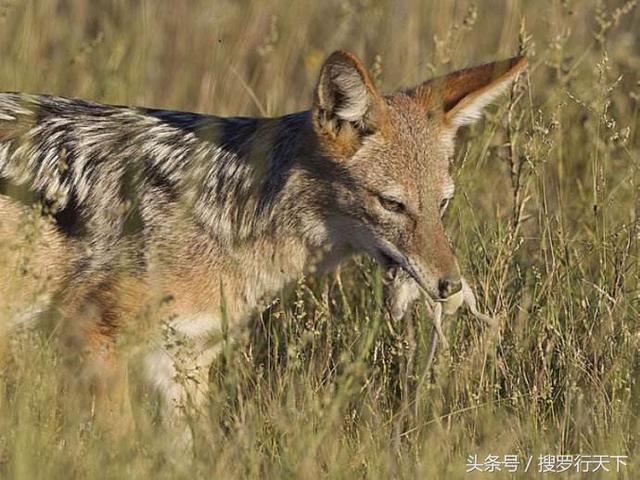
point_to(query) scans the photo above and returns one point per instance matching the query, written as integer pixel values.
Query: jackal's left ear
(345, 95)
(466, 93)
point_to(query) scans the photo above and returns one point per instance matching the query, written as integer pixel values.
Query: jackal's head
(387, 182)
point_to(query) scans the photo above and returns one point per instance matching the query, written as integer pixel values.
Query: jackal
(199, 219)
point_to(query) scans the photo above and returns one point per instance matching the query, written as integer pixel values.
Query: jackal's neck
(256, 199)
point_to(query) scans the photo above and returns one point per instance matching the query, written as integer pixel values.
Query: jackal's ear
(466, 93)
(345, 95)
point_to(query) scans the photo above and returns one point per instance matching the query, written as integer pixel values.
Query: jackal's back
(105, 170)
(85, 160)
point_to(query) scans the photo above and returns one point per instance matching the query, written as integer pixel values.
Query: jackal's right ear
(465, 93)
(346, 98)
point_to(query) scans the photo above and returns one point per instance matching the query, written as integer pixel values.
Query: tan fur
(34, 257)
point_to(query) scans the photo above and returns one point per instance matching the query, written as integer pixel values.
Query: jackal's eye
(392, 204)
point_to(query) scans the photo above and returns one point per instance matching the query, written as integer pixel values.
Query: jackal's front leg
(177, 377)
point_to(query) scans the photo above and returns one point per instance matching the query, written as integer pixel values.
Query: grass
(544, 223)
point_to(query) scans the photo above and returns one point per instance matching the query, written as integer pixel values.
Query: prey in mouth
(404, 289)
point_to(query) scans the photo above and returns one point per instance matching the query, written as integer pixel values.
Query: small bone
(470, 301)
(437, 323)
(433, 346)
(451, 304)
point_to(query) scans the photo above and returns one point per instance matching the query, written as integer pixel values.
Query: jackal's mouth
(387, 261)
(392, 258)
(389, 257)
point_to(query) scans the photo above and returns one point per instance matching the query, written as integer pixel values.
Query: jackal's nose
(449, 285)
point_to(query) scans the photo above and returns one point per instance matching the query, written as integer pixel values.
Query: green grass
(544, 224)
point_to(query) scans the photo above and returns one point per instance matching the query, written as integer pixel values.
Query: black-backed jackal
(167, 212)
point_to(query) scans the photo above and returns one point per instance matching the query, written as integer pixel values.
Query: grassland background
(544, 223)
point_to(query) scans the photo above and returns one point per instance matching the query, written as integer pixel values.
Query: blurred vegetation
(545, 223)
